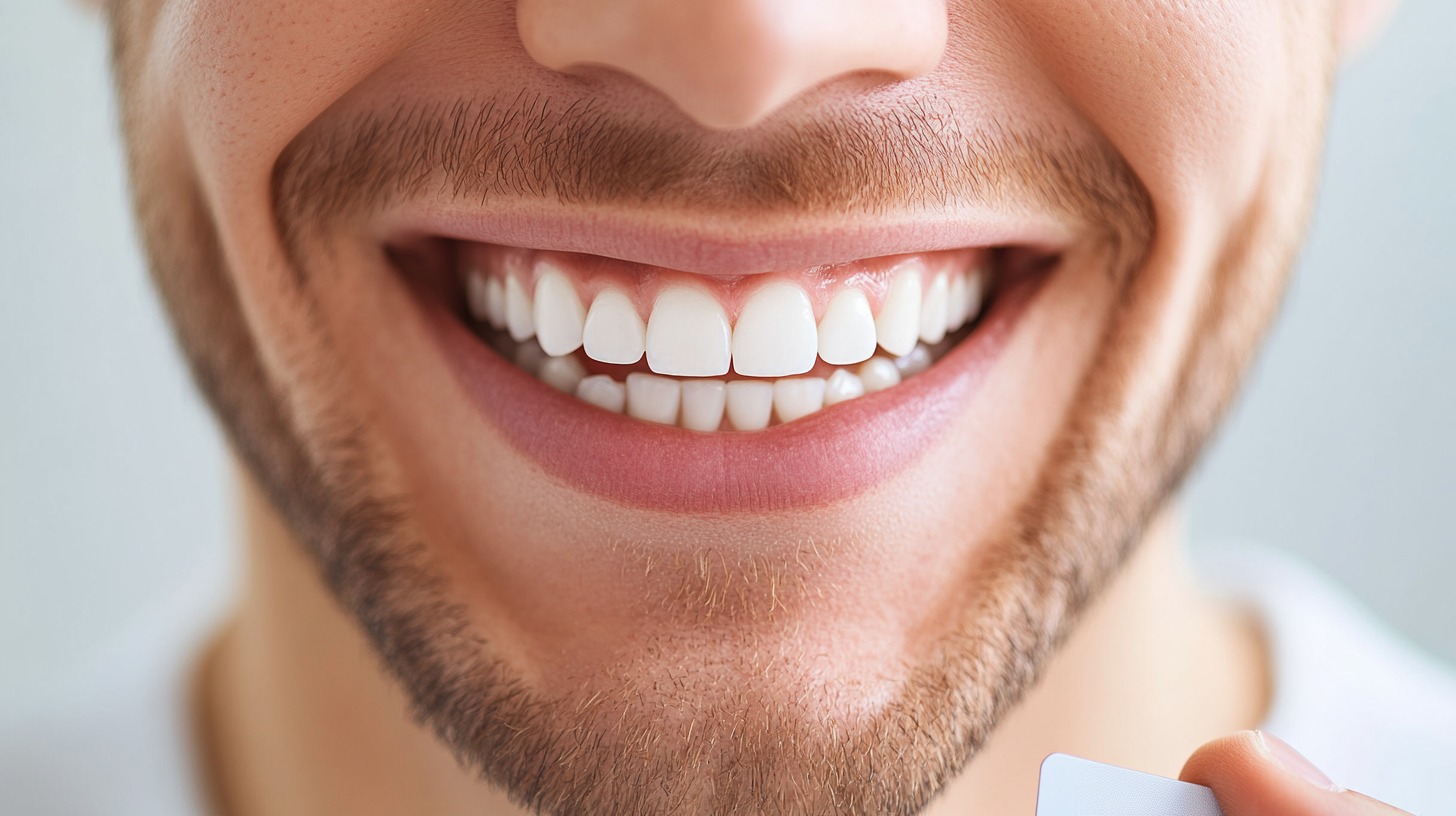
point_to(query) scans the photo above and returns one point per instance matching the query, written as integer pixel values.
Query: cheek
(1185, 91)
(232, 84)
(1204, 100)
(252, 74)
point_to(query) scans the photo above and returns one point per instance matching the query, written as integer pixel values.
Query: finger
(1252, 772)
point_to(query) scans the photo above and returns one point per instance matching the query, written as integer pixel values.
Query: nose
(730, 63)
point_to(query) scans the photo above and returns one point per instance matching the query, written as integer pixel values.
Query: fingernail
(1296, 762)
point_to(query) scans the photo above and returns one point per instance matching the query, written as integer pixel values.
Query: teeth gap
(939, 315)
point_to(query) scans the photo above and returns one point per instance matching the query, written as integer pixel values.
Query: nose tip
(730, 63)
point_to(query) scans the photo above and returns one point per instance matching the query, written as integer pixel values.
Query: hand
(1257, 774)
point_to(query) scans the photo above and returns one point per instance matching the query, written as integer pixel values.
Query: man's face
(368, 219)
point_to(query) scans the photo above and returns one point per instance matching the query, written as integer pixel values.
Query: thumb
(1257, 774)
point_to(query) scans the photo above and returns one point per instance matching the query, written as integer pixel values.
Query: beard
(625, 742)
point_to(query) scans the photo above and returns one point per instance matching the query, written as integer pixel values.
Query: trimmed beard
(618, 747)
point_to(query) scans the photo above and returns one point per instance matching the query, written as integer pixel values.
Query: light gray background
(113, 483)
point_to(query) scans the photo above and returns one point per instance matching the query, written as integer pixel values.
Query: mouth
(684, 392)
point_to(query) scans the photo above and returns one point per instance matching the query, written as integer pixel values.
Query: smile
(685, 392)
(721, 354)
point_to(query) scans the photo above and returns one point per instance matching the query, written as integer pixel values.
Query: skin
(581, 654)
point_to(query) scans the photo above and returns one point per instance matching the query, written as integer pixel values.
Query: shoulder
(1366, 705)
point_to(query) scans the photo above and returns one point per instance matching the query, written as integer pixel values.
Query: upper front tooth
(775, 335)
(519, 319)
(958, 301)
(898, 325)
(495, 303)
(933, 310)
(847, 332)
(613, 332)
(558, 312)
(688, 334)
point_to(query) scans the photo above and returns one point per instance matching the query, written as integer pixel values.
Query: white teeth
(562, 373)
(519, 318)
(916, 362)
(877, 374)
(775, 335)
(558, 313)
(898, 325)
(847, 332)
(495, 303)
(603, 392)
(702, 404)
(688, 334)
(613, 332)
(967, 303)
(957, 299)
(798, 397)
(842, 385)
(750, 404)
(653, 398)
(933, 310)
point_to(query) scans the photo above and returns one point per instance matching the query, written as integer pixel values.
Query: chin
(587, 595)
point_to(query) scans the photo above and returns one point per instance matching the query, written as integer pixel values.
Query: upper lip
(708, 244)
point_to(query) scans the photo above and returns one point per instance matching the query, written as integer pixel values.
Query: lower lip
(827, 457)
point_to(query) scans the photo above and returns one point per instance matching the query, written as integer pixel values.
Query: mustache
(863, 161)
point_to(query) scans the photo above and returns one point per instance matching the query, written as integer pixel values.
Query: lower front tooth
(878, 373)
(702, 404)
(749, 404)
(562, 373)
(916, 362)
(842, 385)
(652, 398)
(798, 397)
(603, 392)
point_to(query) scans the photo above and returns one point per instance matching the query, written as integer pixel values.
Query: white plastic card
(1072, 786)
